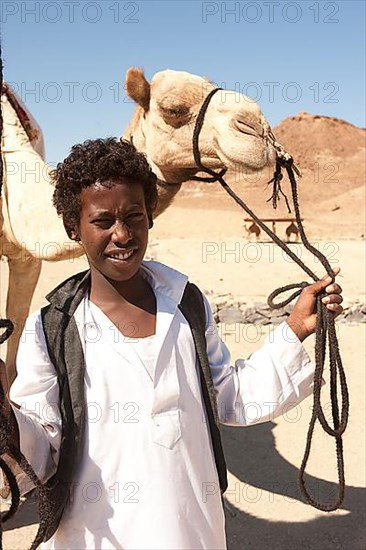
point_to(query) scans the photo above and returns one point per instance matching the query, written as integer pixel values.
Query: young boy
(124, 424)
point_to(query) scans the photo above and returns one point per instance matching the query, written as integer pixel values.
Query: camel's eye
(176, 112)
(175, 116)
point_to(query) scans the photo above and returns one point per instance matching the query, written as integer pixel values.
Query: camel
(234, 135)
(292, 229)
(253, 229)
(30, 229)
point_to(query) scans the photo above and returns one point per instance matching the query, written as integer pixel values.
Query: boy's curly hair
(99, 160)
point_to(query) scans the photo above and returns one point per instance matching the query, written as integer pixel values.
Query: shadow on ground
(27, 514)
(252, 457)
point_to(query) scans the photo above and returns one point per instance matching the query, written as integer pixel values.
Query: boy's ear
(151, 221)
(72, 233)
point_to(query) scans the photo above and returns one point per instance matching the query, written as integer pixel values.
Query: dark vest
(66, 353)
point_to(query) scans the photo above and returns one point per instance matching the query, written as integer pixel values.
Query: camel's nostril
(248, 127)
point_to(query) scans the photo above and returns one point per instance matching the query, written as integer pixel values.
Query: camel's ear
(137, 87)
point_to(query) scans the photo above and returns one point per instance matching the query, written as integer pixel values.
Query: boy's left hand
(302, 319)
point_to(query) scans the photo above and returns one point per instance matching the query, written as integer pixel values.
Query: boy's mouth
(121, 255)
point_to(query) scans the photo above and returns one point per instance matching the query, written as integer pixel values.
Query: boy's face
(113, 228)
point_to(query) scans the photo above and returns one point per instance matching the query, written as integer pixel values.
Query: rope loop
(9, 329)
(211, 179)
(282, 289)
(15, 493)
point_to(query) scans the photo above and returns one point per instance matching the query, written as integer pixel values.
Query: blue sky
(67, 59)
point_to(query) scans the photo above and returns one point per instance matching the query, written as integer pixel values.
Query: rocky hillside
(311, 138)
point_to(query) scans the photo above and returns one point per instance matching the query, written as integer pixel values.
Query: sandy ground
(265, 506)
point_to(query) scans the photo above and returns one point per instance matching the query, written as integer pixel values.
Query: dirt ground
(265, 508)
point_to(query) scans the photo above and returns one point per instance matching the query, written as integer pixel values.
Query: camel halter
(325, 327)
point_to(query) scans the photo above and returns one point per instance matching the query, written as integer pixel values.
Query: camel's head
(234, 133)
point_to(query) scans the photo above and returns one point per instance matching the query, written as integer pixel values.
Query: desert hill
(310, 137)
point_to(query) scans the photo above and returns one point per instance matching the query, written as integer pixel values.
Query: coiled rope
(325, 327)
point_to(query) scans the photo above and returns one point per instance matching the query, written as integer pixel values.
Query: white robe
(147, 478)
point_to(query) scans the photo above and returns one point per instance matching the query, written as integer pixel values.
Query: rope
(325, 328)
(7, 448)
(7, 433)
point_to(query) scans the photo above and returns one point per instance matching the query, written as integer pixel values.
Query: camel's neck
(166, 194)
(165, 186)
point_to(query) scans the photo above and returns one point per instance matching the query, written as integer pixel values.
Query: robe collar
(162, 278)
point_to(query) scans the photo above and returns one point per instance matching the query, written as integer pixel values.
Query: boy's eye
(106, 223)
(103, 222)
(136, 215)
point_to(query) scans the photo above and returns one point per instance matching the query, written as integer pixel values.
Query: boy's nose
(121, 233)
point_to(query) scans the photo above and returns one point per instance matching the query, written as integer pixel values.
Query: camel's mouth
(257, 152)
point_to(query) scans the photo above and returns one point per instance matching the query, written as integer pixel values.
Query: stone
(230, 315)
